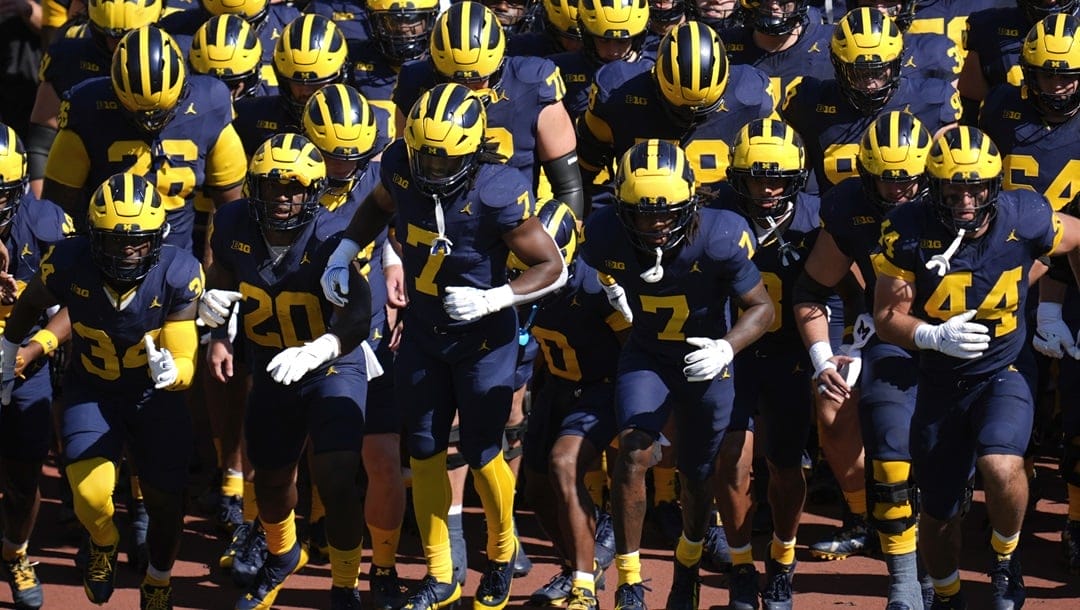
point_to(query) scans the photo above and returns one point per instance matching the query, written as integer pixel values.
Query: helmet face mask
(127, 228)
(514, 15)
(965, 173)
(1050, 62)
(402, 30)
(444, 137)
(667, 13)
(866, 52)
(613, 29)
(655, 196)
(775, 18)
(767, 169)
(285, 179)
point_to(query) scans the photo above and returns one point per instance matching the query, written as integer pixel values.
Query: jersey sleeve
(734, 249)
(755, 89)
(545, 75)
(186, 281)
(68, 162)
(57, 264)
(1038, 222)
(408, 87)
(226, 164)
(896, 256)
(222, 231)
(49, 223)
(508, 197)
(800, 96)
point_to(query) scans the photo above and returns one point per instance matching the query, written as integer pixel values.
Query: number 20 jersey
(988, 274)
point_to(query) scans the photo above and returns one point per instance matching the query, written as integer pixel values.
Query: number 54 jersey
(107, 327)
(988, 274)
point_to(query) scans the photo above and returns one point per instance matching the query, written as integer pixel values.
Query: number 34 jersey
(988, 274)
(107, 327)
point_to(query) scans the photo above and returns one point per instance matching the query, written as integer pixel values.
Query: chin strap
(442, 244)
(655, 273)
(788, 252)
(939, 263)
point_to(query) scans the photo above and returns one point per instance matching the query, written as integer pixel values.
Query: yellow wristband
(47, 339)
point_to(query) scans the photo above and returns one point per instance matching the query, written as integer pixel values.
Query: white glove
(706, 362)
(293, 363)
(958, 337)
(9, 353)
(617, 297)
(215, 306)
(162, 366)
(1052, 336)
(335, 280)
(468, 303)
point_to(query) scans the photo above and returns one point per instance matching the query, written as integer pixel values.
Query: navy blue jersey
(997, 35)
(350, 16)
(932, 56)
(854, 223)
(497, 201)
(528, 85)
(283, 304)
(690, 300)
(988, 274)
(948, 17)
(625, 107)
(781, 266)
(1037, 155)
(107, 350)
(808, 57)
(374, 77)
(260, 118)
(578, 70)
(532, 44)
(576, 329)
(190, 151)
(70, 61)
(37, 225)
(831, 128)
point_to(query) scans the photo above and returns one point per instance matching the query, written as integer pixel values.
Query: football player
(227, 48)
(25, 424)
(132, 302)
(559, 32)
(153, 119)
(515, 16)
(929, 55)
(973, 408)
(458, 215)
(677, 266)
(891, 162)
(718, 14)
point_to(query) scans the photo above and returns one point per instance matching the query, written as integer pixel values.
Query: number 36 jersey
(107, 327)
(988, 274)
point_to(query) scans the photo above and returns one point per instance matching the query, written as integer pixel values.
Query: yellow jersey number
(1000, 304)
(281, 309)
(102, 359)
(560, 357)
(425, 282)
(680, 311)
(174, 182)
(840, 162)
(1062, 189)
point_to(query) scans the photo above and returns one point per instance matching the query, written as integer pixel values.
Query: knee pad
(1070, 462)
(890, 497)
(514, 437)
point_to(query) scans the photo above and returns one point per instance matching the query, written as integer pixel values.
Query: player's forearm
(368, 221)
(753, 322)
(181, 338)
(896, 327)
(351, 324)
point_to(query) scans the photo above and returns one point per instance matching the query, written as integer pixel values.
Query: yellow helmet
(444, 134)
(310, 52)
(1052, 46)
(654, 179)
(692, 72)
(340, 122)
(767, 149)
(964, 155)
(613, 20)
(127, 226)
(114, 18)
(284, 166)
(226, 47)
(14, 179)
(893, 149)
(560, 18)
(867, 46)
(393, 27)
(561, 224)
(763, 18)
(253, 11)
(148, 76)
(468, 44)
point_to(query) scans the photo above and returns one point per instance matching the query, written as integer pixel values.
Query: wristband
(47, 340)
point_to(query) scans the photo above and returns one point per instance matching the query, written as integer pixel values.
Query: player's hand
(215, 306)
(959, 337)
(335, 280)
(708, 360)
(830, 381)
(395, 285)
(162, 366)
(1052, 336)
(9, 353)
(292, 363)
(219, 358)
(467, 303)
(617, 297)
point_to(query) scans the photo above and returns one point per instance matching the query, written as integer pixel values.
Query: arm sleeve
(181, 338)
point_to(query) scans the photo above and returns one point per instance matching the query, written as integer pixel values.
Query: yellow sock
(688, 553)
(251, 504)
(629, 568)
(741, 555)
(1074, 503)
(1004, 545)
(280, 537)
(232, 483)
(894, 472)
(594, 482)
(948, 586)
(663, 484)
(318, 511)
(384, 546)
(431, 503)
(92, 484)
(782, 551)
(136, 489)
(495, 485)
(345, 566)
(856, 501)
